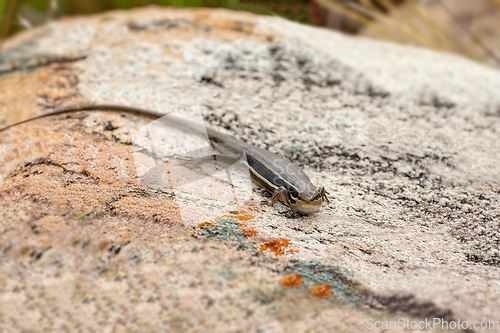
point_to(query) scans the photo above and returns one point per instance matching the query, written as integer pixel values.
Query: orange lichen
(320, 291)
(244, 217)
(277, 246)
(291, 281)
(206, 224)
(248, 232)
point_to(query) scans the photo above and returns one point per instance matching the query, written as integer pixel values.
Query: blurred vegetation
(404, 21)
(440, 25)
(21, 14)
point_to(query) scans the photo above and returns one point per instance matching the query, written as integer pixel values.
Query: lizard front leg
(324, 193)
(280, 193)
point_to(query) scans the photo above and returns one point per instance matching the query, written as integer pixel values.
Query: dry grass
(408, 22)
(411, 23)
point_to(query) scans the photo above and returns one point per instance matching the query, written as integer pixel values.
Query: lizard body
(288, 183)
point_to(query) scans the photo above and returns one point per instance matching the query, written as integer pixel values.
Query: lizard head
(306, 205)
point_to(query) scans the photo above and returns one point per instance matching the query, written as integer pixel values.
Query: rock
(404, 139)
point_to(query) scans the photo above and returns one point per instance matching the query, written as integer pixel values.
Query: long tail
(91, 107)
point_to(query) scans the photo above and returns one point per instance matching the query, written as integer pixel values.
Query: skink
(289, 184)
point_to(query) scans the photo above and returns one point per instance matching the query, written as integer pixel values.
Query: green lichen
(227, 274)
(227, 230)
(289, 151)
(224, 229)
(317, 273)
(21, 54)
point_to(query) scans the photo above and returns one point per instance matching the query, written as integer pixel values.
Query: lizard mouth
(308, 207)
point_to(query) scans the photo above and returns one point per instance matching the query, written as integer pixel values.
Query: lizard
(287, 182)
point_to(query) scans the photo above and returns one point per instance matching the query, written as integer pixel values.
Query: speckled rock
(405, 140)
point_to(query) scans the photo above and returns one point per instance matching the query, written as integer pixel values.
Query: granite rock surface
(406, 141)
